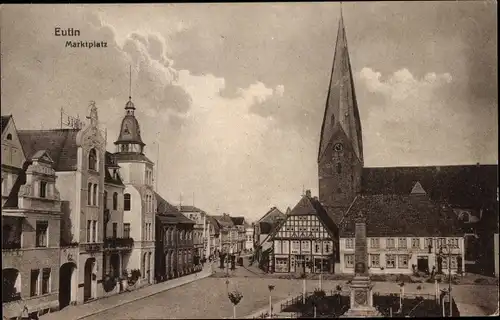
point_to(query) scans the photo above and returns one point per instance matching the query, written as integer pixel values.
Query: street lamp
(448, 249)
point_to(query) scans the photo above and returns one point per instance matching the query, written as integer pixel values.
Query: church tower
(340, 156)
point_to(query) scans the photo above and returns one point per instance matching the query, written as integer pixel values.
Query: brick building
(174, 252)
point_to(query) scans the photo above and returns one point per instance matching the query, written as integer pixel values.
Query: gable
(306, 226)
(12, 149)
(272, 215)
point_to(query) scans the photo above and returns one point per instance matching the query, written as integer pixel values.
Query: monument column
(361, 286)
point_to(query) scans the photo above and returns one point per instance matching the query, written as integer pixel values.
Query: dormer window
(43, 189)
(9, 136)
(92, 160)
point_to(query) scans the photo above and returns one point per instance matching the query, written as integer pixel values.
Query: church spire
(341, 110)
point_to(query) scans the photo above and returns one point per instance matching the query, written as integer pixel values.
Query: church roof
(60, 144)
(341, 110)
(402, 215)
(5, 121)
(467, 186)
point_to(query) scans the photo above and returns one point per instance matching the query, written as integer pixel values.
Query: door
(423, 264)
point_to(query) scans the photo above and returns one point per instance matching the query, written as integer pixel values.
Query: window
(428, 242)
(445, 262)
(403, 261)
(92, 159)
(295, 247)
(415, 243)
(126, 230)
(374, 243)
(349, 260)
(45, 280)
(105, 200)
(94, 195)
(89, 193)
(35, 273)
(89, 225)
(94, 230)
(277, 247)
(115, 229)
(390, 261)
(441, 242)
(453, 262)
(126, 202)
(349, 243)
(402, 243)
(339, 168)
(374, 260)
(317, 247)
(9, 136)
(453, 242)
(41, 233)
(43, 189)
(391, 243)
(115, 201)
(327, 247)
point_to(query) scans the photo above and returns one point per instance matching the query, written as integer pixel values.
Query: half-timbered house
(305, 241)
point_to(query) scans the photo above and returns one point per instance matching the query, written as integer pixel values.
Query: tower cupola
(129, 139)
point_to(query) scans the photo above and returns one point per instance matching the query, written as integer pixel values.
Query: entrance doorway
(65, 284)
(423, 264)
(90, 277)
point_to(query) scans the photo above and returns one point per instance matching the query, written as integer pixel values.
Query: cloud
(408, 116)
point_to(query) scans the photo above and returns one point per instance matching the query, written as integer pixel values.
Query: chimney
(308, 193)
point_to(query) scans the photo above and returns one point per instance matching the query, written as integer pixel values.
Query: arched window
(115, 201)
(92, 159)
(89, 193)
(339, 167)
(105, 199)
(126, 202)
(9, 136)
(144, 265)
(94, 195)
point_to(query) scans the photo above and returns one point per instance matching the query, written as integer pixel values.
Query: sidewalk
(82, 311)
(470, 310)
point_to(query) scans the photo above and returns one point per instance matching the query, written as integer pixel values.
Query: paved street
(207, 298)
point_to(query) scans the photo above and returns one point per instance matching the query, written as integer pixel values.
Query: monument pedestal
(361, 299)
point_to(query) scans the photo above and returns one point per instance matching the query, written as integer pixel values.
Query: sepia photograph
(249, 160)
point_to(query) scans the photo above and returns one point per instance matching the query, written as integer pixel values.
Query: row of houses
(80, 223)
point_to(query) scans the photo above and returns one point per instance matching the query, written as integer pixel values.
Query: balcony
(91, 247)
(118, 243)
(11, 245)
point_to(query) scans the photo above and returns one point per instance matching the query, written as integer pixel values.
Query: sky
(230, 97)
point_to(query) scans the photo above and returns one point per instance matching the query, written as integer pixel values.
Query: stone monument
(361, 286)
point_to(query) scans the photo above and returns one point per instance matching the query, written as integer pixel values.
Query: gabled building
(12, 156)
(266, 224)
(174, 252)
(228, 234)
(31, 217)
(240, 224)
(305, 242)
(214, 237)
(139, 201)
(405, 233)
